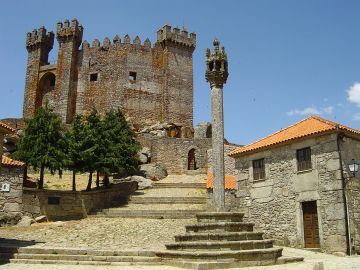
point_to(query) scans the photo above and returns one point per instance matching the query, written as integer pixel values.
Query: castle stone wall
(98, 76)
(173, 152)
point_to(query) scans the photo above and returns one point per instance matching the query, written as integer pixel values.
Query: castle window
(93, 77)
(132, 76)
(303, 157)
(259, 169)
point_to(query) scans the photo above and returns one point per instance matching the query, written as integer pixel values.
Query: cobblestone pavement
(101, 233)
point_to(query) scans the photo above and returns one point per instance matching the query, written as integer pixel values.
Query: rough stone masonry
(216, 74)
(148, 83)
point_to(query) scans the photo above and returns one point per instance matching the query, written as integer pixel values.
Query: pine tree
(120, 156)
(74, 139)
(41, 146)
(91, 144)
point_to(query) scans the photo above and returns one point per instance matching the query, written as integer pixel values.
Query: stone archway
(192, 159)
(45, 87)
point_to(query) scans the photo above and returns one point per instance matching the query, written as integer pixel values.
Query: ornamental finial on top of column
(216, 65)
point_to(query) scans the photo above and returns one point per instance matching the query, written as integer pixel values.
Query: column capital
(216, 66)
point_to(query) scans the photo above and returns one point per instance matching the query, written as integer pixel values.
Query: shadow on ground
(9, 247)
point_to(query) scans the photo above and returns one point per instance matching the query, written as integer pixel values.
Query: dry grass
(54, 182)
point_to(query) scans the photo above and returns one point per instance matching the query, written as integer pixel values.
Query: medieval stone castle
(151, 85)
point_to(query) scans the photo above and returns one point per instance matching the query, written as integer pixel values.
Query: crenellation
(175, 37)
(66, 32)
(137, 41)
(116, 40)
(39, 38)
(106, 43)
(147, 43)
(127, 39)
(95, 43)
(85, 45)
(150, 82)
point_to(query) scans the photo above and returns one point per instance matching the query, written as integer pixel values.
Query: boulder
(144, 155)
(40, 219)
(153, 171)
(143, 183)
(25, 221)
(9, 219)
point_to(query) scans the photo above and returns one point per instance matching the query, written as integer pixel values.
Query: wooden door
(191, 160)
(311, 225)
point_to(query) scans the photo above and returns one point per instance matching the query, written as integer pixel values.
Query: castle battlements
(175, 36)
(39, 38)
(66, 31)
(117, 43)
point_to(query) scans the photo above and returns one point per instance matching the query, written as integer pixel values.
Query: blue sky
(287, 58)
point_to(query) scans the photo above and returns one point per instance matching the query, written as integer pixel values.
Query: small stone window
(259, 169)
(132, 76)
(303, 157)
(93, 77)
(53, 200)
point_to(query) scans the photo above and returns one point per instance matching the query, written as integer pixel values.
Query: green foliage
(42, 143)
(121, 147)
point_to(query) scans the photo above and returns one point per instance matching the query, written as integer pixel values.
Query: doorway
(191, 160)
(311, 225)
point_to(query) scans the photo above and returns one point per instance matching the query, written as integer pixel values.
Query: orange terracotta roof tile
(6, 161)
(230, 183)
(6, 128)
(313, 125)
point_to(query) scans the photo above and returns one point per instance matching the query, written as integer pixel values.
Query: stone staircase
(33, 255)
(222, 240)
(177, 196)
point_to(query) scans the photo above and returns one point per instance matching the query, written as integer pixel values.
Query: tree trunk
(88, 188)
(97, 179)
(73, 181)
(106, 180)
(41, 180)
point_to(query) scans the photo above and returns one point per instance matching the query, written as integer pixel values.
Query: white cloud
(328, 109)
(354, 94)
(311, 110)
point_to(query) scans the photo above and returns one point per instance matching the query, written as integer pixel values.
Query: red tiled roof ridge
(7, 127)
(331, 127)
(6, 161)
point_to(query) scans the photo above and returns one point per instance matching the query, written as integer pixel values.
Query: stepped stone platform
(222, 240)
(176, 197)
(31, 255)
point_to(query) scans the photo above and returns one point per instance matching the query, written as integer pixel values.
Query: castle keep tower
(148, 83)
(216, 74)
(38, 44)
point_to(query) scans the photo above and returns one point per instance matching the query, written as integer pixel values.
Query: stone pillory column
(216, 74)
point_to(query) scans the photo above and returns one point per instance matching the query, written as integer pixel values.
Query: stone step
(221, 226)
(224, 236)
(70, 251)
(167, 200)
(209, 217)
(162, 206)
(256, 255)
(179, 185)
(221, 245)
(285, 259)
(62, 257)
(65, 262)
(173, 214)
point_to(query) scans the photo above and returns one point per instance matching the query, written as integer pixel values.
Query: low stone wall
(173, 152)
(67, 205)
(11, 201)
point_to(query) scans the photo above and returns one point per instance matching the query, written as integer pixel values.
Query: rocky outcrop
(144, 155)
(153, 171)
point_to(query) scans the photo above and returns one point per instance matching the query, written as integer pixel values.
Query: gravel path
(101, 233)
